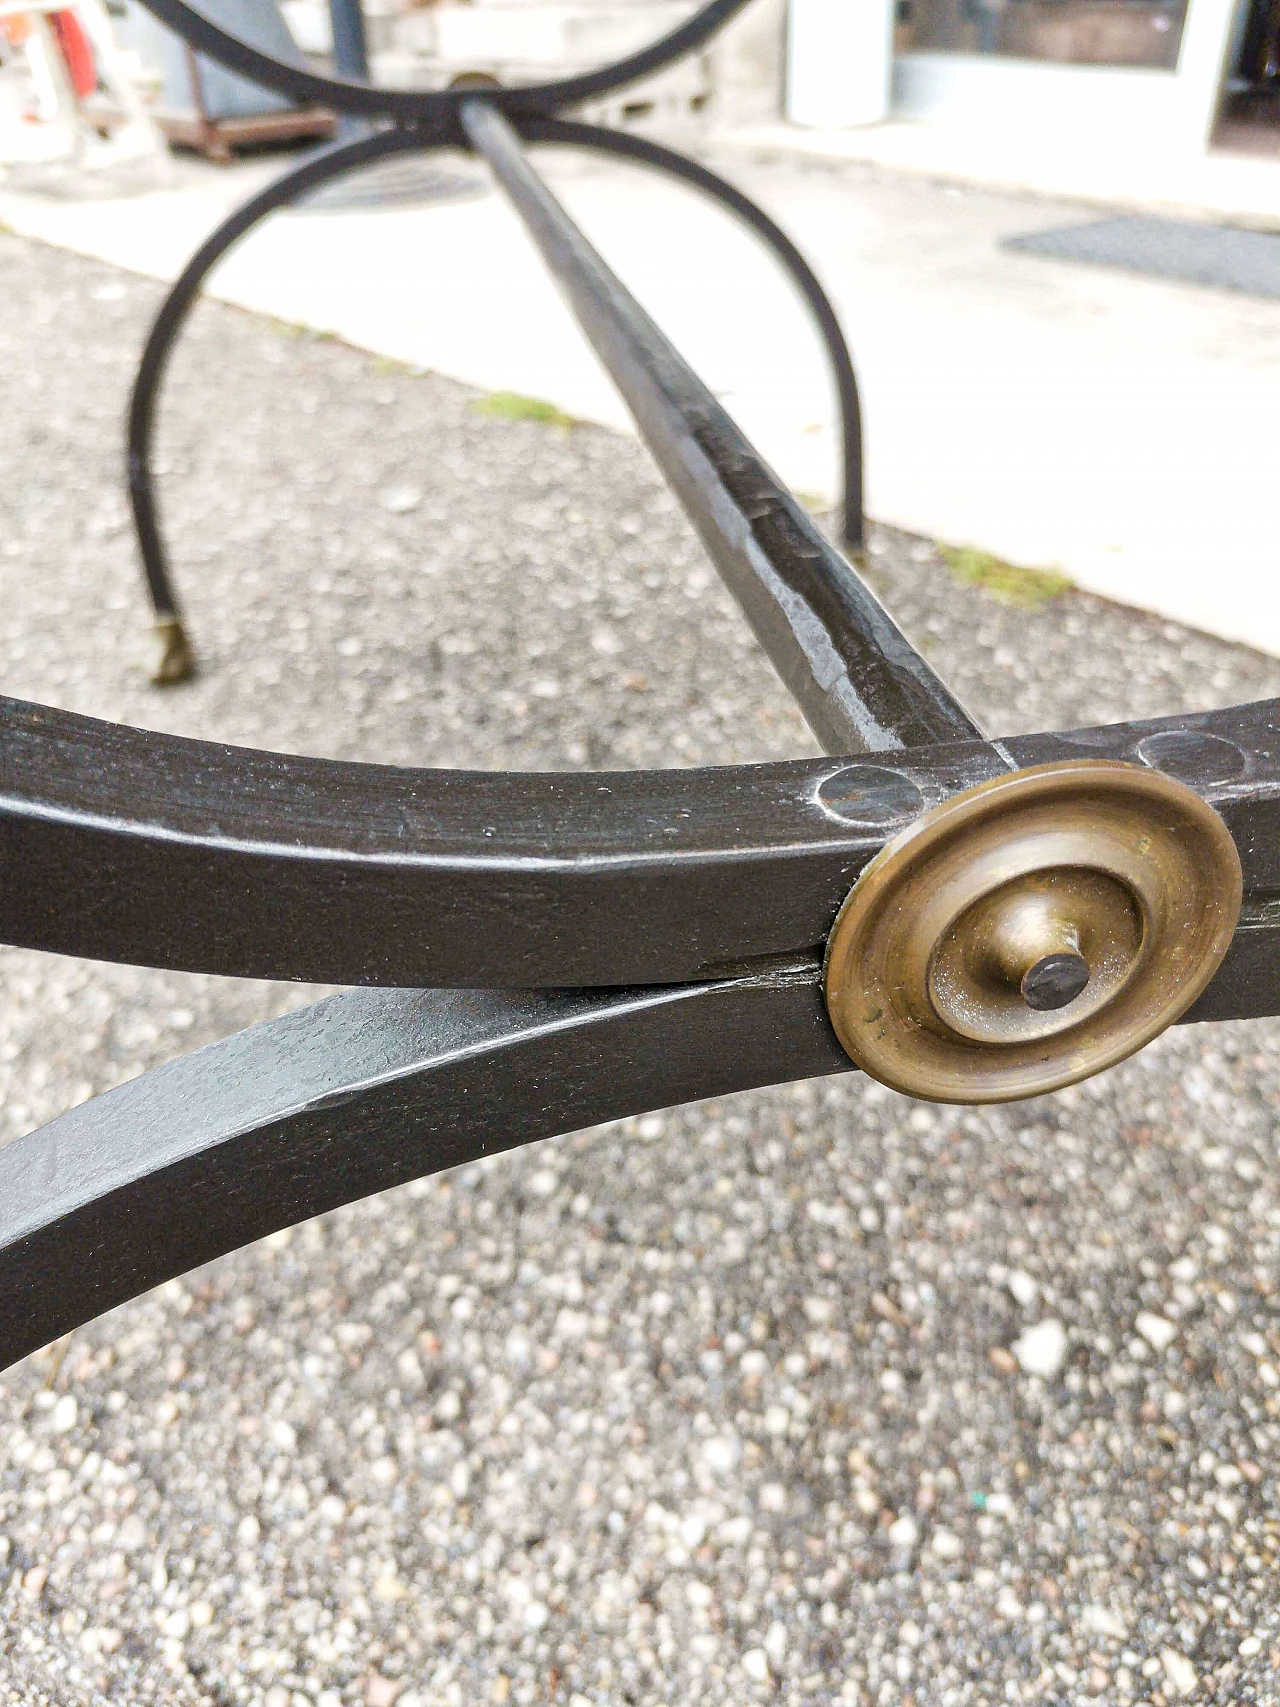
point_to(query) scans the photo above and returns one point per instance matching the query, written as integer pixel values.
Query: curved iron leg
(175, 661)
(351, 1096)
(640, 148)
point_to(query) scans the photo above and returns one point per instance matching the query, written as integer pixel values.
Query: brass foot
(172, 660)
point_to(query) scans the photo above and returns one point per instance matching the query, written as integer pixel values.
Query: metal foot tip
(172, 660)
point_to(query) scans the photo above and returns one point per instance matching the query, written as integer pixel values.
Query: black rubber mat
(1218, 255)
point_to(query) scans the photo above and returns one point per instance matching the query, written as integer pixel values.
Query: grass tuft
(511, 406)
(1008, 582)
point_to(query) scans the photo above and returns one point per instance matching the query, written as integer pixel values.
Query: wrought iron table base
(542, 952)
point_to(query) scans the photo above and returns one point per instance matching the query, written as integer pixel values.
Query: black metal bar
(861, 685)
(359, 1093)
(350, 43)
(630, 145)
(317, 169)
(127, 845)
(350, 58)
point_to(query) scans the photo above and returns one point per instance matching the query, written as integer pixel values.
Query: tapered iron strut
(860, 683)
(354, 1095)
(644, 151)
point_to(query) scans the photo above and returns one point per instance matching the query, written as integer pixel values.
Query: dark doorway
(1249, 118)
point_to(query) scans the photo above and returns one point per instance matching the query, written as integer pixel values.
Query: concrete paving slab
(1114, 170)
(1120, 429)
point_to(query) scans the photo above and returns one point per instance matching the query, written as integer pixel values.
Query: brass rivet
(1032, 931)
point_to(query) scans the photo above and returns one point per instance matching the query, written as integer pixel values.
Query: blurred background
(994, 196)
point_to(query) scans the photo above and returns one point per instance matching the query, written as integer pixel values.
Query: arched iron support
(175, 660)
(629, 146)
(436, 107)
(125, 845)
(359, 1093)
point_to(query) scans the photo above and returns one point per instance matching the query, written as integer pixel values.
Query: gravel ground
(735, 1403)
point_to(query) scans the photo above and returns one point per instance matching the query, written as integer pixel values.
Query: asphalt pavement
(810, 1395)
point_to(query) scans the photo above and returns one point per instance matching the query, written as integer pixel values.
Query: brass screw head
(1032, 931)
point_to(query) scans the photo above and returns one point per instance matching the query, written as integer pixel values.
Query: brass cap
(1032, 931)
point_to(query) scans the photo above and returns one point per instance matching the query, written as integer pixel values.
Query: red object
(76, 52)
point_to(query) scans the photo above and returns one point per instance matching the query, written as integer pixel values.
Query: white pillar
(839, 62)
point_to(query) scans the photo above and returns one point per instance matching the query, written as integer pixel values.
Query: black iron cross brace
(537, 952)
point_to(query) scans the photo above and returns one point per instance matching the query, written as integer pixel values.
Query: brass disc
(1032, 931)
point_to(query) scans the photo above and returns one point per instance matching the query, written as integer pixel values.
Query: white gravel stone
(1105, 1623)
(755, 1662)
(1042, 1349)
(721, 1453)
(693, 1529)
(1158, 1331)
(131, 1534)
(904, 1531)
(1180, 1674)
(1024, 1289)
(65, 1414)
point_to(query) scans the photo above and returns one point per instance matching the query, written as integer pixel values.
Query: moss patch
(292, 329)
(511, 406)
(1011, 584)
